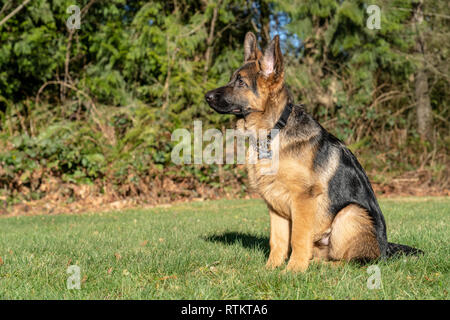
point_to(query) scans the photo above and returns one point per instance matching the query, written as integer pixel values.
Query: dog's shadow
(246, 240)
(250, 241)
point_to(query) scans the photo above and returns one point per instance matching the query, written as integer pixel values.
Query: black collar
(281, 123)
(263, 148)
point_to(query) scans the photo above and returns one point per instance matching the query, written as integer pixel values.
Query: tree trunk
(264, 20)
(210, 40)
(423, 105)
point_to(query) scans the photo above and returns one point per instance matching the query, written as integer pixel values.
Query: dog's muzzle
(215, 99)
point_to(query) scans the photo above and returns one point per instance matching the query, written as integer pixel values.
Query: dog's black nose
(209, 96)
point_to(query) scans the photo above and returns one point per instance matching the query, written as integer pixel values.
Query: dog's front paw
(297, 265)
(275, 261)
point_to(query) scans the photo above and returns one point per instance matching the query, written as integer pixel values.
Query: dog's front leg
(302, 215)
(280, 231)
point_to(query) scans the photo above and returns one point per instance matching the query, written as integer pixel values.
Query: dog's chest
(277, 176)
(271, 188)
(282, 181)
(281, 192)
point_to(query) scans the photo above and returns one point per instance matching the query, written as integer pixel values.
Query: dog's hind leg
(352, 236)
(280, 234)
(321, 246)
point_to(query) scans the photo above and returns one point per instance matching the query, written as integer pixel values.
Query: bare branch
(16, 10)
(424, 13)
(67, 78)
(209, 41)
(5, 6)
(107, 130)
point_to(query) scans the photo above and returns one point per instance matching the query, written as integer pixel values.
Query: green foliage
(137, 70)
(360, 82)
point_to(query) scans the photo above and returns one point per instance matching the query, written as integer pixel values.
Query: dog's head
(252, 85)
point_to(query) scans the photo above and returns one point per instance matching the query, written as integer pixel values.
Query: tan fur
(297, 194)
(292, 194)
(303, 215)
(280, 232)
(353, 235)
(295, 188)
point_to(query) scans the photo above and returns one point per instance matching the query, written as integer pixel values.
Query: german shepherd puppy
(320, 201)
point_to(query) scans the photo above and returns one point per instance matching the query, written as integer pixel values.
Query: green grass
(208, 250)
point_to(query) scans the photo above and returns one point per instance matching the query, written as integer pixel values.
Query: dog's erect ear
(272, 61)
(250, 47)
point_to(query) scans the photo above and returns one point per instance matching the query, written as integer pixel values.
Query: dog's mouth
(237, 110)
(231, 109)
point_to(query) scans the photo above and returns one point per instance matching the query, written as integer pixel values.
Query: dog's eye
(241, 83)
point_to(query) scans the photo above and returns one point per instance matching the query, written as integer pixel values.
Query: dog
(321, 203)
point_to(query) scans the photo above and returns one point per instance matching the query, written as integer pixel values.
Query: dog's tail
(394, 249)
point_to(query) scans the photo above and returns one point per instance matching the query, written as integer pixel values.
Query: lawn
(209, 250)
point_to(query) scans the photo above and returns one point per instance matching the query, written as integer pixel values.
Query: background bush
(96, 106)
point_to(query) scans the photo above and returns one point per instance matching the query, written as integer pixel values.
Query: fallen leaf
(110, 270)
(84, 279)
(161, 239)
(118, 256)
(1, 261)
(125, 272)
(144, 243)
